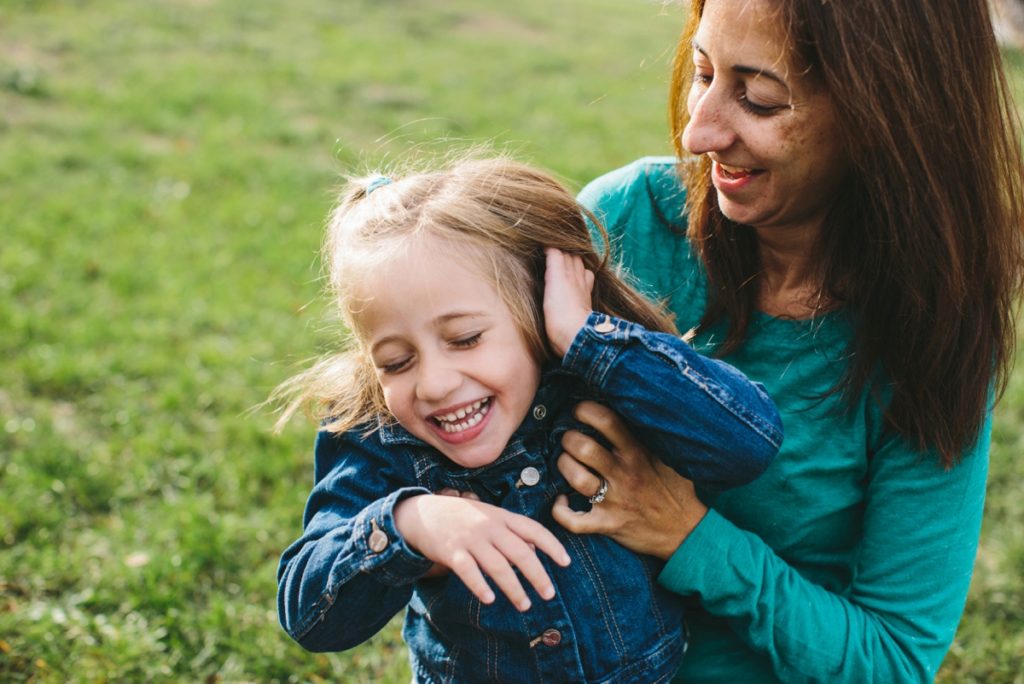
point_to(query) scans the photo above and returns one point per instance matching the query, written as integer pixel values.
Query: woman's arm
(894, 622)
(711, 423)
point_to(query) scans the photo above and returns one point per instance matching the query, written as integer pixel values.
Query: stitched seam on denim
(312, 617)
(653, 598)
(534, 652)
(607, 609)
(717, 392)
(641, 671)
(453, 659)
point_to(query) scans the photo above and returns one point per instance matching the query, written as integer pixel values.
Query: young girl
(481, 315)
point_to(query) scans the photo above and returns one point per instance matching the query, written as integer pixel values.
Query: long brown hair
(499, 215)
(922, 248)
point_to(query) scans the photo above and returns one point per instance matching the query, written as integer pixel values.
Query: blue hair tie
(376, 183)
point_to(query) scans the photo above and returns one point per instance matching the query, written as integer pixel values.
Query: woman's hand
(476, 539)
(567, 288)
(648, 507)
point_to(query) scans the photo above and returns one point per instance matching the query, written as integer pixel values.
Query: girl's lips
(732, 178)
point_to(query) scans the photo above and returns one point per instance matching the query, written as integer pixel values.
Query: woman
(848, 236)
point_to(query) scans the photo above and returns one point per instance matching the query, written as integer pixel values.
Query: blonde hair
(498, 213)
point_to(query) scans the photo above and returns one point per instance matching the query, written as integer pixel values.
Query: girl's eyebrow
(743, 69)
(455, 315)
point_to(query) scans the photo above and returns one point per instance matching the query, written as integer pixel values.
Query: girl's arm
(351, 570)
(709, 421)
(354, 566)
(895, 621)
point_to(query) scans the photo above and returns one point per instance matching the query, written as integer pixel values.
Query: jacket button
(551, 637)
(605, 326)
(378, 540)
(539, 411)
(529, 476)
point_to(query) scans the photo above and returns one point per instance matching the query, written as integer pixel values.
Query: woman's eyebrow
(744, 69)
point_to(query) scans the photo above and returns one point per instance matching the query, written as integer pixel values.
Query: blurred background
(165, 169)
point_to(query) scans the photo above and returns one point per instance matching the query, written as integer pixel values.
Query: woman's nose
(709, 128)
(436, 379)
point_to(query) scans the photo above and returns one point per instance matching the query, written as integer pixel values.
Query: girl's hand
(439, 570)
(476, 539)
(648, 507)
(567, 288)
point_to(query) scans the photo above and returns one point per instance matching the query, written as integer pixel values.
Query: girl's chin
(474, 459)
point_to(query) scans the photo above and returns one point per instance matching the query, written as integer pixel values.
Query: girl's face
(454, 368)
(769, 130)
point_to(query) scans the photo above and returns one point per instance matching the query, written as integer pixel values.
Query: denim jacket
(609, 621)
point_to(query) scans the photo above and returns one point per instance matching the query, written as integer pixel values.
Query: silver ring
(601, 491)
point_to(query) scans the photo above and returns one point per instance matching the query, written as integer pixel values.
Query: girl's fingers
(493, 562)
(538, 536)
(465, 566)
(525, 559)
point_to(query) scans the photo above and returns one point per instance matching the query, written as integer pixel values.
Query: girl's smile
(463, 424)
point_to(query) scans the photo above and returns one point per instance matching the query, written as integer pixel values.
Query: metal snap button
(378, 539)
(539, 411)
(551, 637)
(605, 326)
(529, 476)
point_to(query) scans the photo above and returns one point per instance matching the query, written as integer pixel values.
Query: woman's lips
(732, 178)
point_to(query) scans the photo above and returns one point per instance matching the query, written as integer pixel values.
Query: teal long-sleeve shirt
(850, 558)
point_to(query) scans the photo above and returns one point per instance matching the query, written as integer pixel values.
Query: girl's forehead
(428, 276)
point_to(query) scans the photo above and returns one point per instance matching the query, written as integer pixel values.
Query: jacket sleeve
(704, 417)
(350, 571)
(898, 618)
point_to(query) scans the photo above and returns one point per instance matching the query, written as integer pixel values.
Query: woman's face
(768, 128)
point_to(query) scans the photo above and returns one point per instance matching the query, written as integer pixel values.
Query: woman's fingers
(611, 426)
(580, 477)
(588, 451)
(594, 521)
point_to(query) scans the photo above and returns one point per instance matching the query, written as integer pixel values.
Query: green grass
(166, 167)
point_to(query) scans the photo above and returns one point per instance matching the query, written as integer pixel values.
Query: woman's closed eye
(759, 109)
(756, 108)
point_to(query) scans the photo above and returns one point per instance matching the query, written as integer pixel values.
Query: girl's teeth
(476, 413)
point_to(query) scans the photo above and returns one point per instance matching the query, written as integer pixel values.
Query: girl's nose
(436, 380)
(709, 128)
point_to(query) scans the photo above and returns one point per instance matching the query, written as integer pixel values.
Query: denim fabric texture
(609, 621)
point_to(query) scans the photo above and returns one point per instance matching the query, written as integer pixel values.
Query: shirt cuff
(596, 346)
(697, 563)
(385, 552)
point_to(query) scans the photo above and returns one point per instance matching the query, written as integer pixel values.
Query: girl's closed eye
(467, 341)
(395, 366)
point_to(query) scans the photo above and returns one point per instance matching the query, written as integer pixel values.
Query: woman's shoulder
(643, 189)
